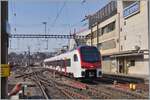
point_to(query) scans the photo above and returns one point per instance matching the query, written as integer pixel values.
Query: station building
(120, 31)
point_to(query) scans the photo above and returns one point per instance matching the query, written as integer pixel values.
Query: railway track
(35, 79)
(99, 91)
(70, 92)
(141, 89)
(116, 93)
(32, 75)
(107, 92)
(44, 84)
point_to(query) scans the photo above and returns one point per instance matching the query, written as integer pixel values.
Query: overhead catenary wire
(63, 25)
(14, 8)
(11, 7)
(57, 17)
(58, 13)
(14, 14)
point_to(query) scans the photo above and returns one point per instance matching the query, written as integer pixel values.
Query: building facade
(120, 31)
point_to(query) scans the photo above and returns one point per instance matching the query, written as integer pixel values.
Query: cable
(11, 6)
(58, 14)
(14, 15)
(39, 25)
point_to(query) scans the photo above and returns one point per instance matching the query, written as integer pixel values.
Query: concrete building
(120, 31)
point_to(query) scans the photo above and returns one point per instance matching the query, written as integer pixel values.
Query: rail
(90, 92)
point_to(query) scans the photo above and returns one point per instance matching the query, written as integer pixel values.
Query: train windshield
(90, 54)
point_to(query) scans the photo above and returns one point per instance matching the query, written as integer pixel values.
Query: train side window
(68, 62)
(75, 57)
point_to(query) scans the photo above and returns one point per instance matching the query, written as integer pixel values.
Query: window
(89, 35)
(68, 62)
(121, 47)
(124, 37)
(108, 28)
(120, 29)
(108, 45)
(90, 54)
(75, 57)
(127, 3)
(106, 58)
(95, 34)
(132, 62)
(99, 46)
(99, 32)
(60, 62)
(124, 22)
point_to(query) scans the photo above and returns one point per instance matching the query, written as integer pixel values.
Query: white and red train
(83, 62)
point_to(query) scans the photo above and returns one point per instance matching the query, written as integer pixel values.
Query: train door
(76, 65)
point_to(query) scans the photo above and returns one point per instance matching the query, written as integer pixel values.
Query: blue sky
(26, 16)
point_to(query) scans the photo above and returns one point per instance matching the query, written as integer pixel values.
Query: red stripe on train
(87, 65)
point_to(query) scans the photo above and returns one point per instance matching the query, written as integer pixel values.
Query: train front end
(90, 62)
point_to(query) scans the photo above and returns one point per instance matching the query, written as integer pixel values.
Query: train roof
(69, 51)
(85, 46)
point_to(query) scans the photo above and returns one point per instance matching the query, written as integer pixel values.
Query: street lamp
(45, 23)
(29, 56)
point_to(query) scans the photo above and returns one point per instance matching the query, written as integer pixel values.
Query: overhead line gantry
(74, 36)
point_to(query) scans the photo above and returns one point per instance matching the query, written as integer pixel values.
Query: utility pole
(29, 56)
(45, 24)
(91, 36)
(74, 37)
(97, 34)
(149, 35)
(4, 46)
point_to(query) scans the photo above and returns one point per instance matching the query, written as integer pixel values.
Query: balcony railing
(103, 14)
